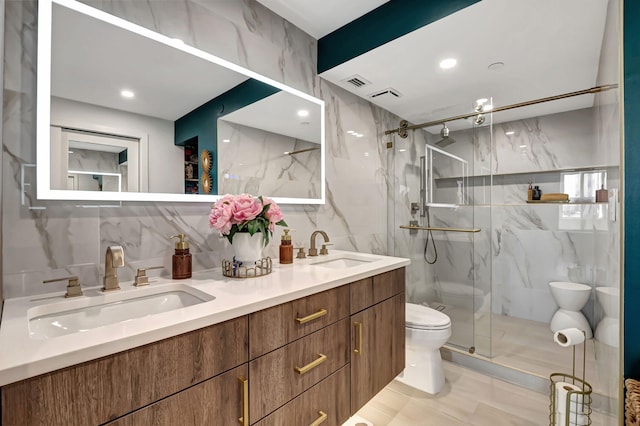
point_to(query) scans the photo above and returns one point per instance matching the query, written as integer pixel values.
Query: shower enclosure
(483, 254)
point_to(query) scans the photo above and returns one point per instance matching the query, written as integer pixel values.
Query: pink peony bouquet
(245, 213)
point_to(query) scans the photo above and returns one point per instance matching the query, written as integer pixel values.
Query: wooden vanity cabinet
(328, 399)
(377, 334)
(217, 401)
(292, 364)
(101, 390)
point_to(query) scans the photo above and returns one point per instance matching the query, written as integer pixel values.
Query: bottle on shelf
(530, 192)
(536, 193)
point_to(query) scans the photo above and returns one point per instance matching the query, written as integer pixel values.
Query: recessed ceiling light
(523, 146)
(366, 154)
(226, 140)
(358, 135)
(351, 132)
(303, 113)
(402, 150)
(127, 94)
(445, 64)
(496, 65)
(509, 133)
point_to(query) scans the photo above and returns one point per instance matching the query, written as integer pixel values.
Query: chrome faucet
(114, 259)
(313, 251)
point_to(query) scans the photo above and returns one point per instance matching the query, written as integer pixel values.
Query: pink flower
(221, 216)
(246, 208)
(274, 214)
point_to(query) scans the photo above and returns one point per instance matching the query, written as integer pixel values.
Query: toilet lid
(424, 318)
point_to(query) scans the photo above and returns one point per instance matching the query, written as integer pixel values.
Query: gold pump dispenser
(181, 260)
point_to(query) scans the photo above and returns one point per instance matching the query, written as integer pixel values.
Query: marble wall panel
(268, 170)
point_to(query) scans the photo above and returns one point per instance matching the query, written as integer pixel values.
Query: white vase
(247, 248)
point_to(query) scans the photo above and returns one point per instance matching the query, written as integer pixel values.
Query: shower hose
(433, 243)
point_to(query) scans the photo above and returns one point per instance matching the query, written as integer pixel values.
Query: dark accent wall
(631, 58)
(202, 122)
(383, 24)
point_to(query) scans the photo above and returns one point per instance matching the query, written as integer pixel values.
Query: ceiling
(547, 47)
(319, 18)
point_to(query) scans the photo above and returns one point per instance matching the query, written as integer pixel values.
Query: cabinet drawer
(369, 291)
(275, 378)
(107, 388)
(274, 327)
(217, 401)
(327, 398)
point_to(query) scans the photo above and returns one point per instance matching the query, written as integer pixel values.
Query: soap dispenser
(286, 248)
(181, 260)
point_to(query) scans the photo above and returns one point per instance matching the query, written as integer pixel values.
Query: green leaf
(282, 223)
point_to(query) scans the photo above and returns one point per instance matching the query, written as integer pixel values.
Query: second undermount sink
(344, 261)
(88, 312)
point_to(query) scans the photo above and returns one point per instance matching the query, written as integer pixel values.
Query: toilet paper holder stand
(570, 396)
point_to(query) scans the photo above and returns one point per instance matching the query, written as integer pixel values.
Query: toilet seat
(424, 318)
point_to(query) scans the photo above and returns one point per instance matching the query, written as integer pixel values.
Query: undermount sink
(344, 261)
(88, 312)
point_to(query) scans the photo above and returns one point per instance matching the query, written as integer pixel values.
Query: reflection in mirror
(90, 153)
(134, 90)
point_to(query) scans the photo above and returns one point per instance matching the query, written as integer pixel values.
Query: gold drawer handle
(302, 370)
(359, 327)
(244, 420)
(320, 313)
(321, 419)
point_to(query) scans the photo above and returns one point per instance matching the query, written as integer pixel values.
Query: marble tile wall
(268, 170)
(64, 239)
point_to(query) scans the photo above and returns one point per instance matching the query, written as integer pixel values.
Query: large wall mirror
(128, 114)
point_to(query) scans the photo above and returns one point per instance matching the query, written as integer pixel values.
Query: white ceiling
(548, 47)
(319, 18)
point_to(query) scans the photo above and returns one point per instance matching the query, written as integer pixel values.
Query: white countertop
(22, 356)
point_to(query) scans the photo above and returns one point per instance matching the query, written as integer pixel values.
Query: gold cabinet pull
(358, 350)
(244, 420)
(321, 419)
(320, 313)
(302, 370)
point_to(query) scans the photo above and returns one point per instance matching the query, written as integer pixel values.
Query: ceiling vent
(357, 81)
(386, 93)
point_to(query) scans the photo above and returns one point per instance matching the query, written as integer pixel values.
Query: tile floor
(529, 346)
(468, 398)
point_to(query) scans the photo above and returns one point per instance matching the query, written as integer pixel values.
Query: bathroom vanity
(310, 343)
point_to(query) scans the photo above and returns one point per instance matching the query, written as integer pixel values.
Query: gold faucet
(313, 251)
(114, 259)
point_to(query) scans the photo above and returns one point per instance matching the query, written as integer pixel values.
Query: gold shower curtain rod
(300, 151)
(404, 124)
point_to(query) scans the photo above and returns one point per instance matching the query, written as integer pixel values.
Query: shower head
(446, 140)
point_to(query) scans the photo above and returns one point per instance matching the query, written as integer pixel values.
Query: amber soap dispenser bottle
(181, 260)
(286, 248)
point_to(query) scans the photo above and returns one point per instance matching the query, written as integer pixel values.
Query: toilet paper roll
(568, 337)
(562, 390)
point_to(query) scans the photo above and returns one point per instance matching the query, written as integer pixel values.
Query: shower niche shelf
(534, 172)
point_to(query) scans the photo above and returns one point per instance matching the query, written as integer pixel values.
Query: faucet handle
(141, 276)
(323, 249)
(313, 251)
(73, 286)
(300, 254)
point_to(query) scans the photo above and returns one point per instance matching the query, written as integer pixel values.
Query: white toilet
(426, 331)
(608, 329)
(571, 297)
